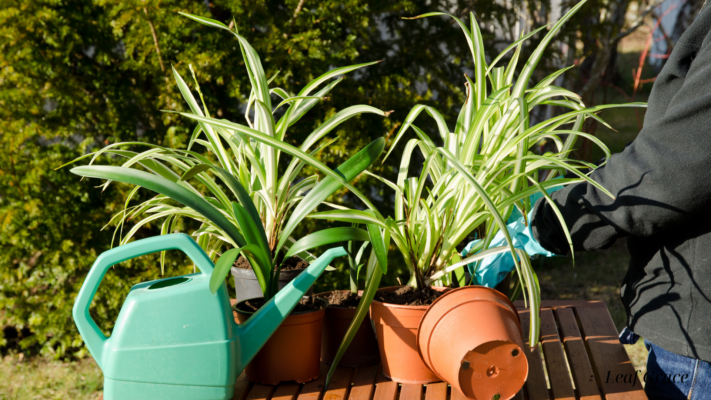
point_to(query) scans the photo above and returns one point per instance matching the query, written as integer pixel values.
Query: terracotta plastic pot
(471, 338)
(362, 351)
(396, 327)
(292, 353)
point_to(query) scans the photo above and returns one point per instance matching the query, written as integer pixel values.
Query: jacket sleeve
(661, 179)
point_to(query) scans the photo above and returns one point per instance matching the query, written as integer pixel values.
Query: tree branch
(296, 12)
(639, 22)
(155, 39)
(667, 38)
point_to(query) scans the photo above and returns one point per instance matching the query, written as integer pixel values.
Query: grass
(43, 379)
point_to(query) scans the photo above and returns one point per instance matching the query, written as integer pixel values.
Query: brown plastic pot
(293, 351)
(363, 349)
(471, 338)
(396, 327)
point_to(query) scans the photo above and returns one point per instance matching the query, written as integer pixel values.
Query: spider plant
(483, 168)
(242, 164)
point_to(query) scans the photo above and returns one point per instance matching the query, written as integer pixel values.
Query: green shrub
(76, 71)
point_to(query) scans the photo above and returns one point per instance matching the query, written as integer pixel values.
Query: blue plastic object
(173, 339)
(492, 270)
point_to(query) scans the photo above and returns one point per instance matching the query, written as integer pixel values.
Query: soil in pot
(342, 298)
(246, 284)
(363, 349)
(409, 296)
(396, 327)
(292, 353)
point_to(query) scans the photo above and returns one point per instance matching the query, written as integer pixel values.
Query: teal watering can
(173, 339)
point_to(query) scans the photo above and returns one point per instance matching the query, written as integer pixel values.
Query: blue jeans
(671, 376)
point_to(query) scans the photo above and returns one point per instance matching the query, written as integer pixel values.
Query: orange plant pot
(396, 327)
(363, 349)
(292, 353)
(471, 338)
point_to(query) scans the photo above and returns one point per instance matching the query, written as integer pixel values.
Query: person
(661, 184)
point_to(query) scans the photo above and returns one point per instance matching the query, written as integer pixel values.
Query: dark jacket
(662, 205)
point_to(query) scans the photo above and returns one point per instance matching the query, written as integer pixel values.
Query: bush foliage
(77, 75)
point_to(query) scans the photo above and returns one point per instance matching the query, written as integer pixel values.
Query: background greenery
(76, 75)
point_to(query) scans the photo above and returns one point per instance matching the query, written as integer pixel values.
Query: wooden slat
(386, 391)
(410, 391)
(287, 391)
(436, 391)
(536, 382)
(312, 390)
(583, 375)
(609, 357)
(260, 392)
(565, 303)
(242, 387)
(385, 388)
(561, 385)
(340, 384)
(364, 383)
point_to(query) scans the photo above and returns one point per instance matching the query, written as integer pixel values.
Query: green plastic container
(173, 338)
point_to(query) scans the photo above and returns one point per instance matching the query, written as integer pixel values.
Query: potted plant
(244, 205)
(471, 182)
(342, 307)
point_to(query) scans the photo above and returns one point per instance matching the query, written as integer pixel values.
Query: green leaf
(301, 108)
(459, 273)
(239, 191)
(206, 21)
(411, 116)
(380, 248)
(285, 147)
(327, 236)
(167, 188)
(214, 139)
(295, 98)
(337, 119)
(483, 196)
(366, 300)
(353, 216)
(253, 235)
(194, 171)
(527, 71)
(222, 268)
(511, 46)
(328, 185)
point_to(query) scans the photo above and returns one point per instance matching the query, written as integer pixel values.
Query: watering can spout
(254, 332)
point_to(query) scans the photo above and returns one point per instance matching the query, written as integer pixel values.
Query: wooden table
(579, 357)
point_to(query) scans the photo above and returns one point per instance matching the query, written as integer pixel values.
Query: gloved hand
(492, 270)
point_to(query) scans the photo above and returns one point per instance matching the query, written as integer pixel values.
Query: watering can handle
(90, 332)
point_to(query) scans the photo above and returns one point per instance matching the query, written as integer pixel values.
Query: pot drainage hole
(492, 371)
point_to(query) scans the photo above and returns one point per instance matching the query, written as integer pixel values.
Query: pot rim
(286, 271)
(234, 306)
(280, 271)
(452, 290)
